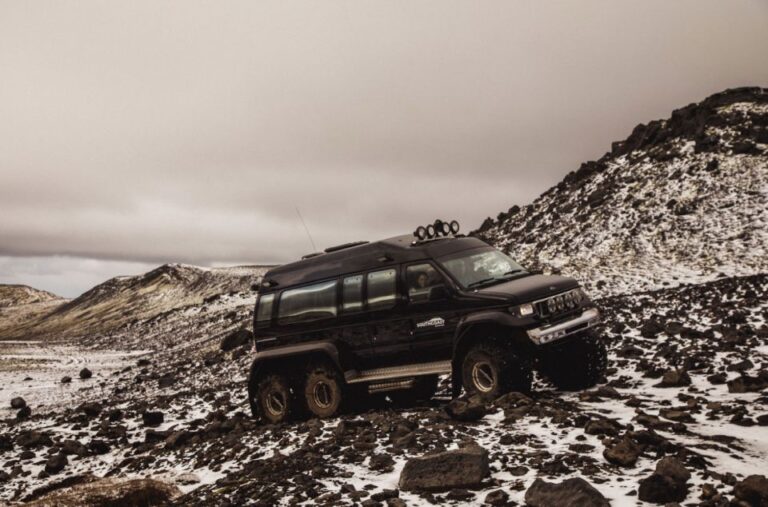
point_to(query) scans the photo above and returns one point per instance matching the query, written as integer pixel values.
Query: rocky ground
(682, 417)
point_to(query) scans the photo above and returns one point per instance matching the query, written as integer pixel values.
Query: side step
(394, 385)
(398, 372)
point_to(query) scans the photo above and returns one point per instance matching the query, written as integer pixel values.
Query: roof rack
(310, 255)
(344, 246)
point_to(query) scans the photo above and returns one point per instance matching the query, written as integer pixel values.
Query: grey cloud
(145, 131)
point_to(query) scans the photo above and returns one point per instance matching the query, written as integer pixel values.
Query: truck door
(432, 313)
(389, 326)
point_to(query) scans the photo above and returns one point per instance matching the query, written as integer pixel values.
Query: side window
(382, 287)
(313, 302)
(264, 310)
(352, 294)
(422, 278)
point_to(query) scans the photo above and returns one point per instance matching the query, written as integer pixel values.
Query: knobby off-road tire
(324, 390)
(424, 388)
(576, 365)
(276, 401)
(490, 370)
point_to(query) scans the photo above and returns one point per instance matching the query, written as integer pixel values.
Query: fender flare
(496, 318)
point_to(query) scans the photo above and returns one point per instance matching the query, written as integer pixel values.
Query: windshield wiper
(480, 282)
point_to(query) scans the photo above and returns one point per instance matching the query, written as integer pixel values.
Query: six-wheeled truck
(392, 316)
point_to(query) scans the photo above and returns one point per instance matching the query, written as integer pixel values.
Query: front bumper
(548, 334)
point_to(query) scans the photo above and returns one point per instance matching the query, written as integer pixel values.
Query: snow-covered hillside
(682, 200)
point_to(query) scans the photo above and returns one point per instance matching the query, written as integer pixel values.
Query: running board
(396, 372)
(394, 385)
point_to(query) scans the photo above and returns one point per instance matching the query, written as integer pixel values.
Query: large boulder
(752, 490)
(575, 492)
(747, 384)
(624, 453)
(236, 339)
(669, 483)
(111, 492)
(462, 468)
(18, 403)
(469, 410)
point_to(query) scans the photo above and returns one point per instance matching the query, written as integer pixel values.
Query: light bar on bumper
(587, 319)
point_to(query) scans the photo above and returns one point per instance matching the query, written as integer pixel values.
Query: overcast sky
(134, 133)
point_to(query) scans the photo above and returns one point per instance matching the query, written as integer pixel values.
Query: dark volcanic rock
(91, 408)
(111, 492)
(152, 418)
(472, 409)
(66, 379)
(85, 373)
(753, 490)
(56, 463)
(23, 413)
(669, 483)
(747, 384)
(624, 453)
(574, 492)
(497, 498)
(18, 402)
(462, 468)
(675, 378)
(236, 339)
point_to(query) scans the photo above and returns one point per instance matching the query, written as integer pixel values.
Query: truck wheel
(323, 391)
(424, 388)
(276, 403)
(576, 365)
(490, 370)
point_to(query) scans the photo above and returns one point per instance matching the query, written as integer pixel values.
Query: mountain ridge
(681, 200)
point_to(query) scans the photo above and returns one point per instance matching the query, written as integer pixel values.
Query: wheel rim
(275, 401)
(483, 376)
(323, 394)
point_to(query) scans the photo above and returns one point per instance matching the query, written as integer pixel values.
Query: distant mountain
(15, 295)
(126, 299)
(681, 200)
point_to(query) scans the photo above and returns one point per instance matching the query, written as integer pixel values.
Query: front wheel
(576, 365)
(490, 370)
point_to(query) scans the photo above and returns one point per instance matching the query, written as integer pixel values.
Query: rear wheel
(576, 365)
(275, 400)
(490, 370)
(323, 390)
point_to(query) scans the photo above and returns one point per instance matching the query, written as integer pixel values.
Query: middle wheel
(323, 390)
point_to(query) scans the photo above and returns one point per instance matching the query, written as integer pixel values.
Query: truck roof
(363, 257)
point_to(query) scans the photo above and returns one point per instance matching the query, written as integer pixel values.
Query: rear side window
(382, 289)
(264, 310)
(313, 302)
(352, 294)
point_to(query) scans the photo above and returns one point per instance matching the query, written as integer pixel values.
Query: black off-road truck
(393, 315)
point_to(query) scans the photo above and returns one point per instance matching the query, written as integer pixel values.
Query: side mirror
(438, 293)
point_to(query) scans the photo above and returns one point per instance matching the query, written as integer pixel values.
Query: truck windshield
(475, 268)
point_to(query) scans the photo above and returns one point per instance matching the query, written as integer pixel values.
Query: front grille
(559, 306)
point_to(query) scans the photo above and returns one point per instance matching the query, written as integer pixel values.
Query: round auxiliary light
(420, 233)
(454, 227)
(442, 228)
(430, 231)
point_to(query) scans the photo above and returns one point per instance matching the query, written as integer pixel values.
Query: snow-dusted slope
(681, 200)
(15, 295)
(122, 300)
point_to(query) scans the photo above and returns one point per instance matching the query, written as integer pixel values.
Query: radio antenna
(314, 248)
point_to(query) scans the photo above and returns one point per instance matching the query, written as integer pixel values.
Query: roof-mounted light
(436, 230)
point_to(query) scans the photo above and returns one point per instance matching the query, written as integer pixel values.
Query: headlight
(522, 310)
